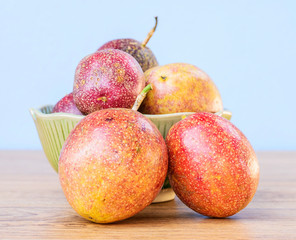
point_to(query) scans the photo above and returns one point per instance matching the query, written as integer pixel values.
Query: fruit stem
(150, 34)
(141, 97)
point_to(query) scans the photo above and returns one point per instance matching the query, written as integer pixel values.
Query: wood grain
(32, 206)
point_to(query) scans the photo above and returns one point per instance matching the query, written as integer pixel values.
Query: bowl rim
(37, 112)
(60, 115)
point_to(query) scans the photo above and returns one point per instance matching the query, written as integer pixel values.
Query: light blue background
(247, 47)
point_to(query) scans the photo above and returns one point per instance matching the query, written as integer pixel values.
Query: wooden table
(32, 206)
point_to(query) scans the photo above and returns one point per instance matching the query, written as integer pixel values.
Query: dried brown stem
(150, 34)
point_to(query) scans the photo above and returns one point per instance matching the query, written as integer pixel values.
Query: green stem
(141, 97)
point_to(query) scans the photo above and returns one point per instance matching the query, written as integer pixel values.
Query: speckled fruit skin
(180, 87)
(107, 79)
(213, 168)
(142, 54)
(112, 165)
(66, 105)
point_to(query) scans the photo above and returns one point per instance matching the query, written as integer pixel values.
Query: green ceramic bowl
(54, 128)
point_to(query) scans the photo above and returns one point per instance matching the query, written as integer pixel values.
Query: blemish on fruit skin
(104, 99)
(108, 119)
